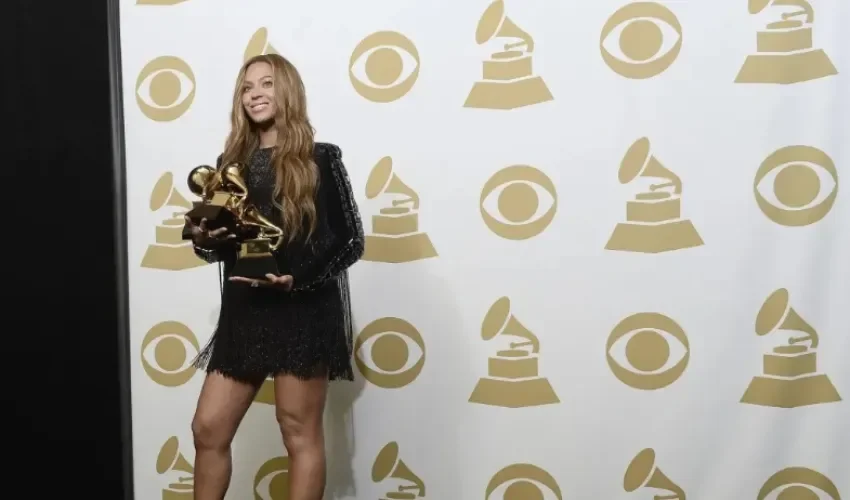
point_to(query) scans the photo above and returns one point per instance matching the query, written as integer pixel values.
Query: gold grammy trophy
(790, 378)
(642, 473)
(513, 379)
(224, 203)
(388, 465)
(169, 251)
(171, 460)
(654, 220)
(395, 230)
(784, 51)
(508, 79)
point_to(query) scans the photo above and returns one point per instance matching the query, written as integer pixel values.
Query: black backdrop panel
(63, 359)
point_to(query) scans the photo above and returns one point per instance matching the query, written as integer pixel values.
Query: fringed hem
(257, 378)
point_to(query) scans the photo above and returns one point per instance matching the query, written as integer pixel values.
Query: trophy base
(793, 393)
(171, 258)
(514, 393)
(508, 95)
(408, 248)
(656, 238)
(217, 217)
(255, 260)
(785, 69)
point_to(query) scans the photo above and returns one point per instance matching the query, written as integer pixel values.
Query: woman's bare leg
(300, 408)
(221, 406)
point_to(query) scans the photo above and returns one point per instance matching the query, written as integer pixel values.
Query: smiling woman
(295, 326)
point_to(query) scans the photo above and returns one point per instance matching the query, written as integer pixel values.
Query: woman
(296, 326)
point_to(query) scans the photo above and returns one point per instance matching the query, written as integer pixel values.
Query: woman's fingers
(218, 232)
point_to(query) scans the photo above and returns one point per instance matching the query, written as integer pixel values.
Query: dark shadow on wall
(438, 319)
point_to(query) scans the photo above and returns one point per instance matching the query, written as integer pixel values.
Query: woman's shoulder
(326, 153)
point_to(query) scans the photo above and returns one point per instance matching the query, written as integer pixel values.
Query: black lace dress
(307, 331)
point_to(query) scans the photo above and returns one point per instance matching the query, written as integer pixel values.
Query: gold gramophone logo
(785, 52)
(165, 88)
(654, 221)
(648, 350)
(799, 483)
(643, 472)
(518, 202)
(259, 45)
(395, 236)
(386, 343)
(794, 182)
(508, 80)
(271, 482)
(384, 66)
(790, 376)
(179, 472)
(513, 379)
(522, 482)
(389, 469)
(170, 251)
(169, 361)
(641, 40)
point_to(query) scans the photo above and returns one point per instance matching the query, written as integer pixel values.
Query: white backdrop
(647, 342)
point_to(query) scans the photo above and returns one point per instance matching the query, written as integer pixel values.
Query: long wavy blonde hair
(296, 172)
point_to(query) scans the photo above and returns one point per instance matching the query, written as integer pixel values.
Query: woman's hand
(203, 238)
(282, 282)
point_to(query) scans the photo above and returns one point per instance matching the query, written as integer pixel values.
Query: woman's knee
(210, 432)
(300, 430)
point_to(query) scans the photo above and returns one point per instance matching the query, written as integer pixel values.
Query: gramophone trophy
(224, 203)
(218, 199)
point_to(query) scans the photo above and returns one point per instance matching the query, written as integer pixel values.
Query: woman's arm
(343, 217)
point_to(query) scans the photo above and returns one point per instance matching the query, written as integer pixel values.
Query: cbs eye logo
(789, 177)
(165, 88)
(384, 66)
(386, 343)
(652, 338)
(524, 205)
(798, 482)
(523, 482)
(271, 482)
(165, 355)
(641, 40)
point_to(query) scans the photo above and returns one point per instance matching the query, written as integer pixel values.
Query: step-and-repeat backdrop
(607, 243)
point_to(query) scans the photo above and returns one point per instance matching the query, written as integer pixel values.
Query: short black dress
(307, 331)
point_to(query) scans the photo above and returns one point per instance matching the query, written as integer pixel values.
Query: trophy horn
(499, 320)
(199, 179)
(165, 194)
(387, 464)
(642, 473)
(494, 23)
(777, 314)
(638, 162)
(383, 180)
(170, 458)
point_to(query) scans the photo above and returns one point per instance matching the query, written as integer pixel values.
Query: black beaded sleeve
(343, 217)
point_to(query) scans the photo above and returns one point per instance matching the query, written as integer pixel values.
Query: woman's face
(258, 94)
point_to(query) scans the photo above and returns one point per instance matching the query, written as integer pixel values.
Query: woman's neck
(267, 136)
